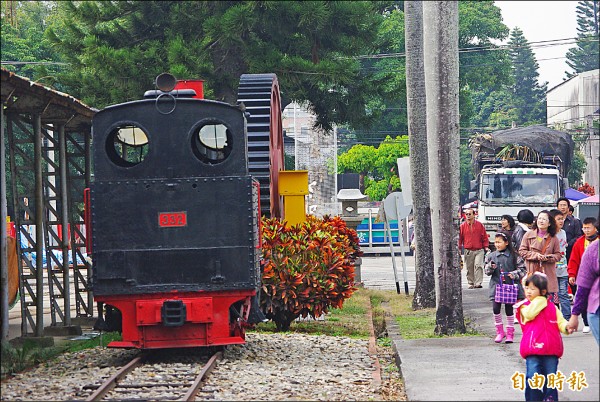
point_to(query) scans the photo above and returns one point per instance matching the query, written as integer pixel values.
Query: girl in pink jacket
(541, 344)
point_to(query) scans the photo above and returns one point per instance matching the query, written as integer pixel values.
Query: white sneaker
(586, 329)
(516, 321)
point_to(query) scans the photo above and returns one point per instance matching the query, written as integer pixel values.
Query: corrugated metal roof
(23, 96)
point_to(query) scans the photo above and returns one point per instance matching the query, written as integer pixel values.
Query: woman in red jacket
(590, 233)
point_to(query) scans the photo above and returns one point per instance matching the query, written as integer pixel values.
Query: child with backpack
(506, 268)
(541, 345)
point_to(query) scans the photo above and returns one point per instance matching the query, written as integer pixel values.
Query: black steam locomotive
(175, 206)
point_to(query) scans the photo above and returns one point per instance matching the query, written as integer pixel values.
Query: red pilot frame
(207, 319)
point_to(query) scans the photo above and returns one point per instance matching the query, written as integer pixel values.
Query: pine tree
(584, 57)
(117, 48)
(529, 96)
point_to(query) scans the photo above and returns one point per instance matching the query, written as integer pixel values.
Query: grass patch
(416, 324)
(413, 324)
(16, 359)
(349, 321)
(103, 340)
(419, 324)
(384, 342)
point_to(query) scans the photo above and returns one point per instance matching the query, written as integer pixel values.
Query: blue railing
(375, 233)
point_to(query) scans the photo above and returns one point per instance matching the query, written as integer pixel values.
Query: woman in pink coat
(540, 248)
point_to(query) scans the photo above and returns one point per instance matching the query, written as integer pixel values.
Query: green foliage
(420, 324)
(503, 117)
(350, 320)
(23, 41)
(520, 98)
(116, 49)
(389, 105)
(494, 109)
(584, 57)
(289, 162)
(359, 159)
(377, 166)
(578, 167)
(378, 189)
(480, 24)
(466, 172)
(16, 359)
(529, 96)
(100, 341)
(307, 268)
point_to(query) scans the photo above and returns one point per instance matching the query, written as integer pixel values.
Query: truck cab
(502, 189)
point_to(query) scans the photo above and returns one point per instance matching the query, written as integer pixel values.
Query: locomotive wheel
(260, 95)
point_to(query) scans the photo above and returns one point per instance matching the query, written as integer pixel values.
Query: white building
(315, 151)
(575, 103)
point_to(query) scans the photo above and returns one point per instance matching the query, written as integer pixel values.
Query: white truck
(523, 168)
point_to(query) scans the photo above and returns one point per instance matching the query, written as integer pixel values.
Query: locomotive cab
(175, 221)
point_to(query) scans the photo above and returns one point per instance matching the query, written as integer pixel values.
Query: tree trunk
(419, 169)
(440, 27)
(283, 319)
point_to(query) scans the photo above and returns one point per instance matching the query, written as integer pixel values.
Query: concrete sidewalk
(473, 368)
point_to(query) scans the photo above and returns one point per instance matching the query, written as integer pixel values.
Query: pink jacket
(541, 324)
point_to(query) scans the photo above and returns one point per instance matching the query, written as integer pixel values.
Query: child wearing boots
(541, 344)
(505, 265)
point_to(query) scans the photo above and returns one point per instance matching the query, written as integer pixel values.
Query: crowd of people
(535, 263)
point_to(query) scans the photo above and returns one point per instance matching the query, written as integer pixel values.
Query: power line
(462, 66)
(33, 63)
(375, 142)
(517, 107)
(378, 69)
(396, 133)
(532, 45)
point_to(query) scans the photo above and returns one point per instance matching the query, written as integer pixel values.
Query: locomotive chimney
(167, 83)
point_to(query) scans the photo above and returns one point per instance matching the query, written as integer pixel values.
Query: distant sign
(395, 207)
(404, 175)
(347, 180)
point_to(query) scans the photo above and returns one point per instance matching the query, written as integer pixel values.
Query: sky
(543, 21)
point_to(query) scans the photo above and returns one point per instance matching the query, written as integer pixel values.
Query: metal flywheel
(260, 95)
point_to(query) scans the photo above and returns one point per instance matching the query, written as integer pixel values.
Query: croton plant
(307, 268)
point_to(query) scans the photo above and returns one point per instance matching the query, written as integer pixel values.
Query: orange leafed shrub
(307, 268)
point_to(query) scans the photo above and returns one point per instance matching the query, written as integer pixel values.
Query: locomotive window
(211, 143)
(127, 145)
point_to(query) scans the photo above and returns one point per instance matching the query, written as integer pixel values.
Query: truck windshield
(519, 189)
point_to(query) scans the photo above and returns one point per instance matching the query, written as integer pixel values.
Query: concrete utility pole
(440, 25)
(3, 239)
(419, 169)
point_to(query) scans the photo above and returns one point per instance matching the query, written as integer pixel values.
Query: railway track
(157, 375)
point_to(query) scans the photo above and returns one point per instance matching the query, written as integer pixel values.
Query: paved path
(473, 368)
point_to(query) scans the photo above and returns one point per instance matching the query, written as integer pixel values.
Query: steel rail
(191, 394)
(111, 382)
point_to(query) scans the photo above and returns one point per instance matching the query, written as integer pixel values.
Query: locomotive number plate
(172, 219)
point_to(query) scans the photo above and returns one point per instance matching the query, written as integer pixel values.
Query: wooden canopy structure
(48, 134)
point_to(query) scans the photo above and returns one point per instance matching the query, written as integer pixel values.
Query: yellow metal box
(293, 182)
